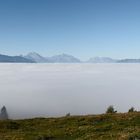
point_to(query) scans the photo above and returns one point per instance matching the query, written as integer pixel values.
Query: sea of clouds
(46, 90)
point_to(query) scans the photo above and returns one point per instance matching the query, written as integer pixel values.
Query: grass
(123, 126)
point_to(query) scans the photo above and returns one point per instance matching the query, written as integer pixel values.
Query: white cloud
(31, 90)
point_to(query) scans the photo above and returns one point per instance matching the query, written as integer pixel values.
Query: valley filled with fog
(46, 90)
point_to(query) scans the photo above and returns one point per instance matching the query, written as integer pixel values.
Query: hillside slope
(14, 59)
(94, 127)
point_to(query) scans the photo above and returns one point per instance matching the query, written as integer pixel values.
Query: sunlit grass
(124, 126)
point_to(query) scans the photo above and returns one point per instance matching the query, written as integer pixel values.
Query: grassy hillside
(95, 127)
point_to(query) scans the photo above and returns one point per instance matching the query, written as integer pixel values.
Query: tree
(3, 114)
(111, 109)
(68, 115)
(132, 109)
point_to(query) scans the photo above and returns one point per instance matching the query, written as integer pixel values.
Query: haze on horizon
(81, 28)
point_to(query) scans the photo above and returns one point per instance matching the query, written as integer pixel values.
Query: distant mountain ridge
(34, 57)
(110, 60)
(62, 58)
(14, 59)
(102, 60)
(129, 61)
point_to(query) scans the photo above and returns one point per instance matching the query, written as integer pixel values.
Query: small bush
(132, 109)
(111, 109)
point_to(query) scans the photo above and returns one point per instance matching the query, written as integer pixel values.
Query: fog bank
(35, 90)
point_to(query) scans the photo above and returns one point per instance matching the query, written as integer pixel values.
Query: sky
(83, 28)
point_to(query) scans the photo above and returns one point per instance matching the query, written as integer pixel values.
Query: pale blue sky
(83, 28)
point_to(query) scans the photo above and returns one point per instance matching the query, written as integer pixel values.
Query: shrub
(111, 109)
(132, 109)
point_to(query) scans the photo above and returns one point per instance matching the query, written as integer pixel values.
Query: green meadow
(117, 126)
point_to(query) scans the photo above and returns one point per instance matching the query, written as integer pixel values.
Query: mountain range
(63, 58)
(101, 60)
(14, 59)
(34, 57)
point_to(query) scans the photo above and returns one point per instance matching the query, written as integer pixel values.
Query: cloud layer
(34, 90)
